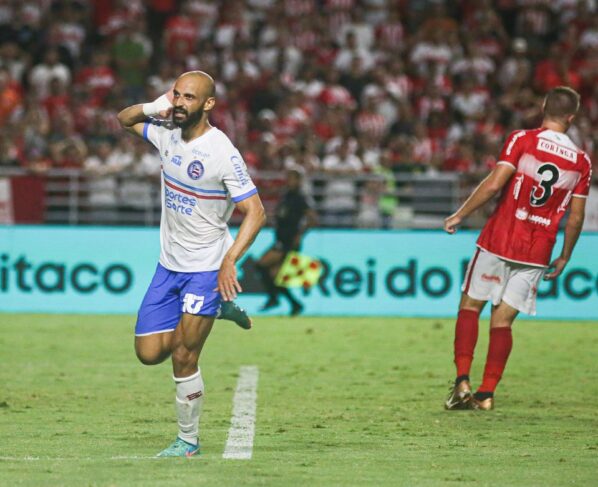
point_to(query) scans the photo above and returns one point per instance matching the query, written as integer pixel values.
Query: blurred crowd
(343, 87)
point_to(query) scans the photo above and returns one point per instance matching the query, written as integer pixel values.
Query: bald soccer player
(204, 178)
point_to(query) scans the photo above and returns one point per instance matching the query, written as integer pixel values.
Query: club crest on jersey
(195, 170)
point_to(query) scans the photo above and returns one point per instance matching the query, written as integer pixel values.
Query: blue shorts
(171, 294)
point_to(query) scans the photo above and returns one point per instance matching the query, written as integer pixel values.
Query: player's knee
(183, 357)
(148, 356)
(500, 324)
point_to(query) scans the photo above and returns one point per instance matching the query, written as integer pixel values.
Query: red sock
(466, 337)
(499, 348)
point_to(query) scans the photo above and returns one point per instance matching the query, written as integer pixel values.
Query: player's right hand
(228, 285)
(451, 223)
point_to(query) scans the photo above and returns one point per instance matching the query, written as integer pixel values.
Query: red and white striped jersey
(549, 170)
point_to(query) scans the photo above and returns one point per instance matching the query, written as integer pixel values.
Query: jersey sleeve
(236, 178)
(154, 130)
(513, 149)
(583, 186)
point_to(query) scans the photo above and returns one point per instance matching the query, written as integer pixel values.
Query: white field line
(239, 444)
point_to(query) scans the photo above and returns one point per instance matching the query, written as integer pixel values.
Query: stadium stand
(393, 108)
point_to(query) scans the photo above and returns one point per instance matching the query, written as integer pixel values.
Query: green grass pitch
(341, 401)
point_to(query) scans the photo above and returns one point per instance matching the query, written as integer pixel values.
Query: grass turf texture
(340, 402)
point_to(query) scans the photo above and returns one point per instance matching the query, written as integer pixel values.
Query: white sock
(189, 402)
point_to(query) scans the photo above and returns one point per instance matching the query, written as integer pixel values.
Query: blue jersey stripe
(244, 196)
(194, 188)
(145, 127)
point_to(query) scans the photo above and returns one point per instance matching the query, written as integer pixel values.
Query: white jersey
(201, 181)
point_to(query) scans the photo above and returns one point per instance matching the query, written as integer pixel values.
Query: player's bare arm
(254, 220)
(485, 191)
(132, 118)
(572, 232)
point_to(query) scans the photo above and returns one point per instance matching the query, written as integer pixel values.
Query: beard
(191, 118)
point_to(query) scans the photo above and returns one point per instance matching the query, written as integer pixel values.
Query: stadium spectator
(136, 191)
(131, 52)
(340, 200)
(98, 77)
(102, 169)
(10, 96)
(50, 68)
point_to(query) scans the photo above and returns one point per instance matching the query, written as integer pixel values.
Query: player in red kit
(541, 174)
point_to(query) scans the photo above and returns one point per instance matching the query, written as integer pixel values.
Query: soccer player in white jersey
(204, 178)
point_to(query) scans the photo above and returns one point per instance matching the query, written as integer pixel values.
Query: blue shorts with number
(172, 293)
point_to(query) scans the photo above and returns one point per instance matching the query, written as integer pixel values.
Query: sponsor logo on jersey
(523, 214)
(489, 278)
(192, 304)
(176, 160)
(178, 202)
(240, 170)
(539, 220)
(556, 149)
(200, 153)
(195, 170)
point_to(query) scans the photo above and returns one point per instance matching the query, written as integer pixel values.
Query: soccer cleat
(460, 396)
(180, 448)
(483, 403)
(229, 310)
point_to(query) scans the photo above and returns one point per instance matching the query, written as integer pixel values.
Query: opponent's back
(550, 170)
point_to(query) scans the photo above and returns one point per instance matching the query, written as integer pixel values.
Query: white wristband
(160, 104)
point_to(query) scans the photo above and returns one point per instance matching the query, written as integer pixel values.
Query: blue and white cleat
(180, 448)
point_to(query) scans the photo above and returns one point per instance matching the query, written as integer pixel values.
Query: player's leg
(188, 341)
(466, 337)
(272, 258)
(199, 304)
(157, 318)
(519, 295)
(499, 349)
(481, 284)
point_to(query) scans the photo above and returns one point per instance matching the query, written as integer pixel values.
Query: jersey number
(549, 175)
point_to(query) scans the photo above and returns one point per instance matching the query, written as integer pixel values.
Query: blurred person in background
(50, 68)
(294, 216)
(137, 189)
(10, 96)
(340, 197)
(102, 168)
(131, 52)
